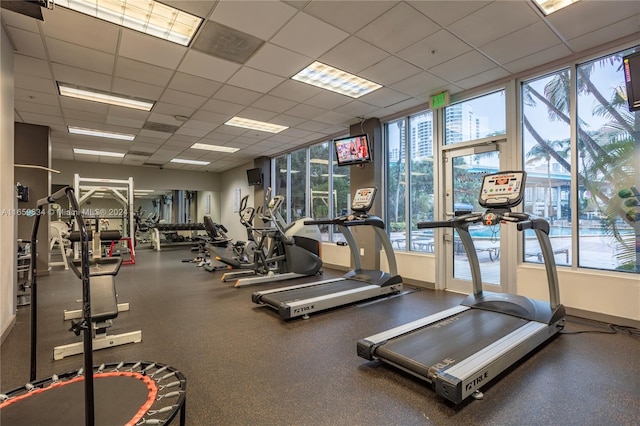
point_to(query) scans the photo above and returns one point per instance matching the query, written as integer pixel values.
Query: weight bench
(104, 308)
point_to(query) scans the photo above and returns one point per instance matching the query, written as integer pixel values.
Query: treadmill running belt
(275, 299)
(447, 342)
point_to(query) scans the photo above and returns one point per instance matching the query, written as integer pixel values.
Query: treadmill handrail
(351, 220)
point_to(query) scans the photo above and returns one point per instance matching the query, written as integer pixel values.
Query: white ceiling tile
(313, 126)
(586, 16)
(333, 117)
(195, 7)
(295, 91)
(197, 124)
(482, 78)
(257, 114)
(389, 71)
(398, 28)
(193, 84)
(81, 57)
(435, 49)
(277, 60)
(27, 43)
(383, 97)
(126, 122)
(308, 36)
(494, 21)
(18, 20)
(181, 98)
(191, 132)
(26, 65)
(23, 106)
(38, 84)
(305, 111)
(288, 120)
(261, 19)
(208, 67)
(423, 83)
(447, 12)
(136, 88)
(251, 79)
(328, 100)
(211, 117)
(605, 34)
(87, 31)
(32, 96)
(521, 43)
(81, 77)
(154, 134)
(145, 48)
(545, 56)
(222, 107)
(237, 95)
(173, 110)
(356, 109)
(353, 55)
(82, 105)
(157, 117)
(140, 71)
(349, 16)
(272, 103)
(462, 67)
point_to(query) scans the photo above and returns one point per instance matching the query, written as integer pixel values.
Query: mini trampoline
(125, 393)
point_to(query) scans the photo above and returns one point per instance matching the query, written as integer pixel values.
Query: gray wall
(7, 189)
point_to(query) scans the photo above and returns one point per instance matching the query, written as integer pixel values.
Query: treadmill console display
(363, 200)
(502, 190)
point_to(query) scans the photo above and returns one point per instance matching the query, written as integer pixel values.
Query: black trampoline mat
(118, 399)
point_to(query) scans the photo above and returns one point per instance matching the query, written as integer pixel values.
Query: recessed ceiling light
(196, 162)
(94, 95)
(549, 6)
(330, 78)
(148, 16)
(262, 126)
(217, 148)
(101, 133)
(94, 152)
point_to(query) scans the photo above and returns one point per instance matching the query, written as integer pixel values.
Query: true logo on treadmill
(303, 309)
(475, 383)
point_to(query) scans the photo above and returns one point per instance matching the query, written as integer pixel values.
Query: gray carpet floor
(245, 366)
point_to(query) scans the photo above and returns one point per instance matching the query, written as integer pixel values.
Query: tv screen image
(632, 80)
(352, 150)
(254, 176)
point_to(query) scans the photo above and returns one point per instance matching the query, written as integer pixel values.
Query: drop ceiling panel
(328, 100)
(38, 84)
(615, 31)
(32, 96)
(348, 15)
(152, 50)
(447, 12)
(81, 77)
(82, 105)
(279, 61)
(258, 18)
(37, 108)
(434, 49)
(420, 84)
(87, 31)
(308, 36)
(485, 77)
(305, 111)
(181, 98)
(26, 65)
(127, 122)
(228, 109)
(140, 71)
(548, 55)
(462, 67)
(295, 91)
(173, 110)
(333, 117)
(398, 28)
(26, 42)
(258, 81)
(18, 20)
(383, 97)
(586, 16)
(237, 95)
(136, 88)
(356, 109)
(80, 57)
(273, 103)
(193, 84)
(494, 21)
(257, 114)
(208, 67)
(389, 71)
(353, 55)
(529, 40)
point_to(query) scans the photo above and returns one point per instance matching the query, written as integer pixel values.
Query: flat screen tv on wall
(352, 150)
(632, 79)
(254, 176)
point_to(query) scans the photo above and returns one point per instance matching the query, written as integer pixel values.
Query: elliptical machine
(273, 253)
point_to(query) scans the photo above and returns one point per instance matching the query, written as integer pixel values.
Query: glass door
(464, 170)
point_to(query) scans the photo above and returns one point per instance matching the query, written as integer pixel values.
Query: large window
(313, 185)
(412, 135)
(475, 118)
(546, 142)
(608, 145)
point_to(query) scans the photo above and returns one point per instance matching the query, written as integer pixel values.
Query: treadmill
(461, 349)
(356, 285)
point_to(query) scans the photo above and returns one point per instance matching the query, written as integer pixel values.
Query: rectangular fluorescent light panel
(247, 123)
(549, 6)
(101, 133)
(216, 148)
(330, 78)
(94, 152)
(195, 162)
(147, 16)
(106, 98)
